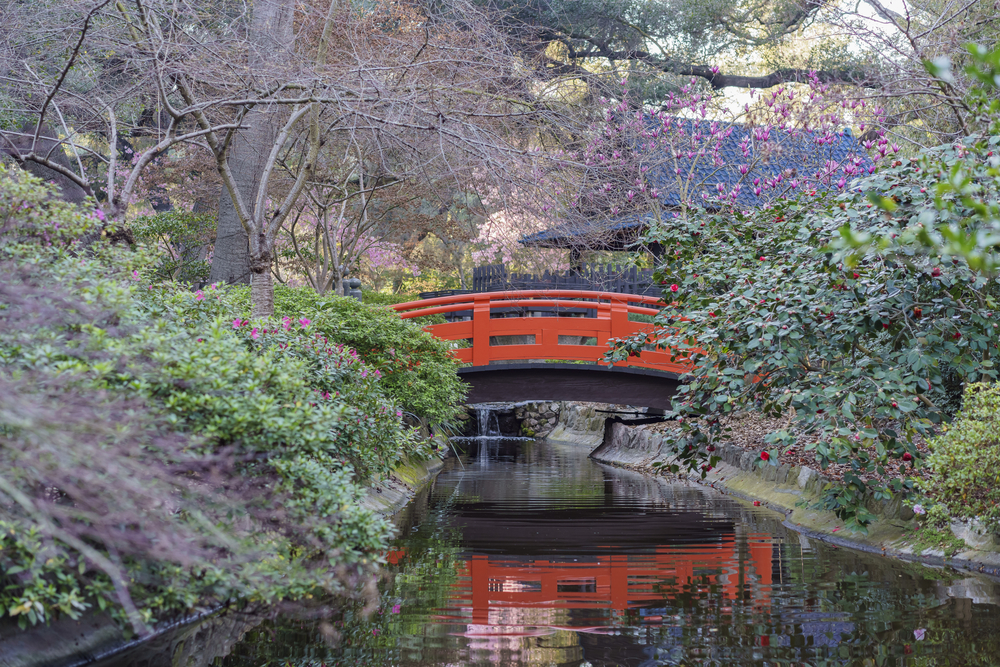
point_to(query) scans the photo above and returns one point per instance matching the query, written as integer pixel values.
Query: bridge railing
(492, 335)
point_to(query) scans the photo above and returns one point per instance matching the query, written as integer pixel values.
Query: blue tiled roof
(806, 153)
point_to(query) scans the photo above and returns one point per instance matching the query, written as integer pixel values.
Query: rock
(975, 535)
(805, 476)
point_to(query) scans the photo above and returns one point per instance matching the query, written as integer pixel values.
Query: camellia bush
(863, 358)
(159, 453)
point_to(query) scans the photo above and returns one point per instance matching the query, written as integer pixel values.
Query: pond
(533, 554)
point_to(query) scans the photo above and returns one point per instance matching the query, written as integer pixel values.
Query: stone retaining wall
(793, 491)
(538, 419)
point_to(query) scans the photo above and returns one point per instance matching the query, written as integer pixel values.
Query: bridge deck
(491, 339)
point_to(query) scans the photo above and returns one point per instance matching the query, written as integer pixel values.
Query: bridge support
(569, 382)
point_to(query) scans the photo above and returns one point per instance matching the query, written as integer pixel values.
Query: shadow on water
(532, 554)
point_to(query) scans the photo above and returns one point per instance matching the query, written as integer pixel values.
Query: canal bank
(790, 490)
(192, 640)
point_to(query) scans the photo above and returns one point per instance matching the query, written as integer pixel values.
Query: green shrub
(966, 458)
(156, 453)
(177, 238)
(385, 299)
(417, 369)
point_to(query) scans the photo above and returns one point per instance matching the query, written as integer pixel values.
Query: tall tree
(270, 41)
(876, 49)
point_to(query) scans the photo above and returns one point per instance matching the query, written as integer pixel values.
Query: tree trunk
(271, 36)
(231, 257)
(262, 294)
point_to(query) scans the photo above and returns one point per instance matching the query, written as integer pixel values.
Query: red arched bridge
(505, 336)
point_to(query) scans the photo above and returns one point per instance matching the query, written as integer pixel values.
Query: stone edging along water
(791, 491)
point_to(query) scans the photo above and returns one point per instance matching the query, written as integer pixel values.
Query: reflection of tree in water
(844, 615)
(414, 590)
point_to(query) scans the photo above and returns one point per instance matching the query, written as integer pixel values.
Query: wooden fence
(621, 280)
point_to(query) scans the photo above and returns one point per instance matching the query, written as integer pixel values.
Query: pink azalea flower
(304, 322)
(199, 296)
(254, 334)
(135, 275)
(395, 609)
(286, 322)
(237, 323)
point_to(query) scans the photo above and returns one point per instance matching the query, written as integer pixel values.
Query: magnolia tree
(644, 168)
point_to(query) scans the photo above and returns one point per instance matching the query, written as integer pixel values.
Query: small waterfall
(483, 414)
(488, 434)
(493, 433)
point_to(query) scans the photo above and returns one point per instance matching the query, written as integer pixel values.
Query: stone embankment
(791, 491)
(794, 492)
(538, 420)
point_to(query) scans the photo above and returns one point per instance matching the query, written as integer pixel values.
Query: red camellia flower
(907, 456)
(756, 503)
(856, 275)
(958, 334)
(764, 456)
(674, 288)
(936, 272)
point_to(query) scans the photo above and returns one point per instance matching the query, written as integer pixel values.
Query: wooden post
(481, 330)
(619, 323)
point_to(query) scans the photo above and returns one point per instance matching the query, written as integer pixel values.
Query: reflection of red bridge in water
(616, 581)
(551, 325)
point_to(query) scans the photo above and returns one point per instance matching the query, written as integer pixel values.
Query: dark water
(539, 556)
